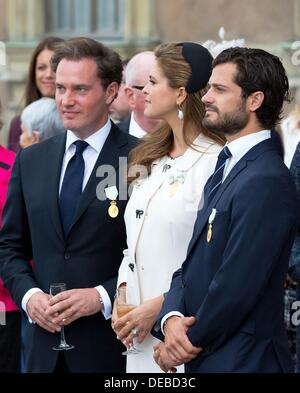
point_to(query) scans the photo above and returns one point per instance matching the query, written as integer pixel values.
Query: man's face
(81, 100)
(226, 110)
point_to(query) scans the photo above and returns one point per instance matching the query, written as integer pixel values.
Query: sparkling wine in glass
(123, 307)
(56, 288)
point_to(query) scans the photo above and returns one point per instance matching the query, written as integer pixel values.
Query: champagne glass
(56, 288)
(124, 307)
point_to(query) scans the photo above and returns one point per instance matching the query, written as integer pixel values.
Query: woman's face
(160, 98)
(44, 76)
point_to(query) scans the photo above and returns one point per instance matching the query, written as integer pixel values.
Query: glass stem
(62, 336)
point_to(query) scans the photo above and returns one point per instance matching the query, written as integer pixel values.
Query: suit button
(182, 285)
(67, 256)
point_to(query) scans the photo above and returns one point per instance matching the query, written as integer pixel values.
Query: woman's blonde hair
(159, 143)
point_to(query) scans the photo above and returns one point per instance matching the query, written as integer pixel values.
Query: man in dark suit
(224, 311)
(65, 210)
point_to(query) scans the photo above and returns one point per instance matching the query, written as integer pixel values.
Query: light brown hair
(159, 143)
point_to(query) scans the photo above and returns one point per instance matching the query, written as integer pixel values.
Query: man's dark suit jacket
(89, 256)
(233, 284)
(124, 125)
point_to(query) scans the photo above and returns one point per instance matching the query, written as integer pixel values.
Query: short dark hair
(258, 70)
(109, 63)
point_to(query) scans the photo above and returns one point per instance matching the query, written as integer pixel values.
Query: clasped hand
(177, 348)
(62, 309)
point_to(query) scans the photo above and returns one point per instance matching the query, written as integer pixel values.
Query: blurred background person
(290, 134)
(136, 76)
(294, 270)
(40, 121)
(10, 333)
(120, 109)
(290, 131)
(40, 82)
(162, 209)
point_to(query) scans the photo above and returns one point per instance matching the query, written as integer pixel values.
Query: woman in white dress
(167, 172)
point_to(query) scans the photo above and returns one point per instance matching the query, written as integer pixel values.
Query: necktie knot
(217, 177)
(80, 146)
(224, 154)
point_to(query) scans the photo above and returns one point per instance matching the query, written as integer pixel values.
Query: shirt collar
(201, 145)
(96, 140)
(135, 129)
(239, 147)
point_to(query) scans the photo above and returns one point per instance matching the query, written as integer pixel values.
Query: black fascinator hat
(200, 61)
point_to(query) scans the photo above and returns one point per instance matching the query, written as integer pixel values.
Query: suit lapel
(54, 159)
(204, 214)
(108, 160)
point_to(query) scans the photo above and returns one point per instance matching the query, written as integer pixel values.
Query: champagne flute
(124, 307)
(56, 288)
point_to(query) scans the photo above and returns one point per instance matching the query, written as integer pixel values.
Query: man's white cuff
(25, 299)
(106, 311)
(169, 315)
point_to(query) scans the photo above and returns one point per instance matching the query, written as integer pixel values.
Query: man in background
(120, 109)
(136, 76)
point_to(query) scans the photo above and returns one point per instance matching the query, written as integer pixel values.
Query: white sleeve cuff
(123, 269)
(169, 315)
(106, 311)
(25, 299)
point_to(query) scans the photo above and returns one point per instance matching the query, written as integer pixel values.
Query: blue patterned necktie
(72, 186)
(217, 177)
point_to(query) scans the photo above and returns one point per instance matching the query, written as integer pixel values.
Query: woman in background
(40, 83)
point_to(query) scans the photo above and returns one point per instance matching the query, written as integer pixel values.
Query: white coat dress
(160, 217)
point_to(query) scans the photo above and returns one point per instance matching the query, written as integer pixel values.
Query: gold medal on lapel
(112, 194)
(113, 209)
(211, 220)
(209, 233)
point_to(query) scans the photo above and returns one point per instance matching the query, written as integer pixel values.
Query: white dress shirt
(238, 148)
(135, 129)
(90, 155)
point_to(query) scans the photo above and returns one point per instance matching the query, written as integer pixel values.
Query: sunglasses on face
(137, 87)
